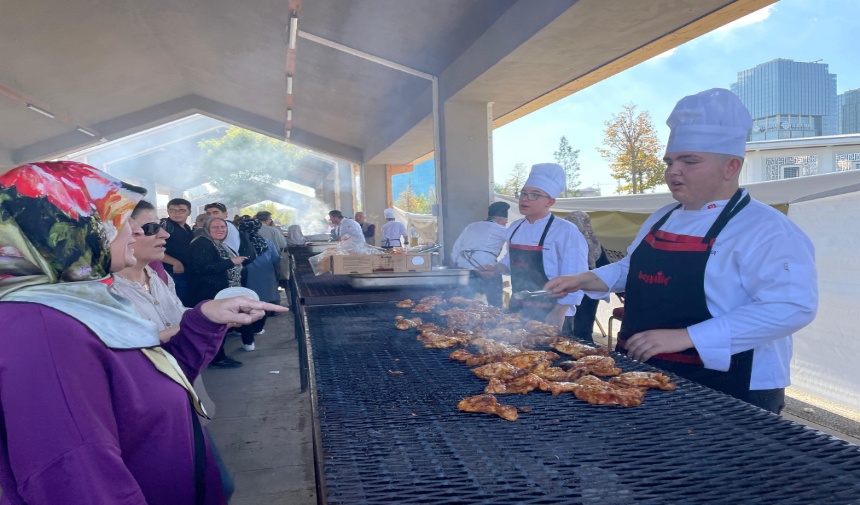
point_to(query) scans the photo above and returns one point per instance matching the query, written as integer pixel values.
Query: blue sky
(801, 30)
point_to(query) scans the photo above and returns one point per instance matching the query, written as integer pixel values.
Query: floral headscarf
(252, 228)
(57, 220)
(583, 222)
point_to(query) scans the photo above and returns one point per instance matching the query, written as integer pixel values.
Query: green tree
(280, 214)
(568, 158)
(633, 150)
(243, 165)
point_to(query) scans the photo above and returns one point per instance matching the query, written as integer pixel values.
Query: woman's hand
(238, 260)
(168, 333)
(238, 310)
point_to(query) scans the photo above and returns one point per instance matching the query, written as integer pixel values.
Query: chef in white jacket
(541, 247)
(346, 227)
(480, 244)
(393, 232)
(716, 284)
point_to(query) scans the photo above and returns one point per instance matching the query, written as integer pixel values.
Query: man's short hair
(263, 215)
(215, 205)
(335, 213)
(179, 201)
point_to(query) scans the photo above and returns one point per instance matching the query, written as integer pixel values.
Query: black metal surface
(398, 438)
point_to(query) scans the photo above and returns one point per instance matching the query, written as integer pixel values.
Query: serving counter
(387, 430)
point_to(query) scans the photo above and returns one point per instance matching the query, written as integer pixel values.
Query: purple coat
(85, 424)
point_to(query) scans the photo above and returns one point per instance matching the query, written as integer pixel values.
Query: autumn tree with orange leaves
(633, 150)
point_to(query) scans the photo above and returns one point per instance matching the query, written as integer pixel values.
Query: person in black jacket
(213, 267)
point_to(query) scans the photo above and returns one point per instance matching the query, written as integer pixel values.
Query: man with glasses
(541, 247)
(178, 246)
(233, 240)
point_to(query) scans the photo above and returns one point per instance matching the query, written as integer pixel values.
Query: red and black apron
(528, 274)
(666, 290)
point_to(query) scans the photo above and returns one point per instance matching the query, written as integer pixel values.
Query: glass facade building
(849, 112)
(789, 99)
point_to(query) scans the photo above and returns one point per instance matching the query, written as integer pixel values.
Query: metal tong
(520, 295)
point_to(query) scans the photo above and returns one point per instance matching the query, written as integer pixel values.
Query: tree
(243, 165)
(515, 182)
(280, 214)
(632, 147)
(410, 202)
(568, 158)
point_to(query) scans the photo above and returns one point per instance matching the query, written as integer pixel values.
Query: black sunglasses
(150, 229)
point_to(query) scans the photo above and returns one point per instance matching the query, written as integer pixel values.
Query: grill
(398, 438)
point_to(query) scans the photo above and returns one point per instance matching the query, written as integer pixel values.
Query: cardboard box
(380, 263)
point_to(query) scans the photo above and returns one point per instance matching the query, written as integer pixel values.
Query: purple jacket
(85, 424)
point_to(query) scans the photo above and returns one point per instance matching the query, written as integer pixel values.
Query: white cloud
(666, 54)
(750, 19)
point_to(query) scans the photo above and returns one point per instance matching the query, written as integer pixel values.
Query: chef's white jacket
(760, 286)
(394, 230)
(350, 228)
(484, 238)
(565, 251)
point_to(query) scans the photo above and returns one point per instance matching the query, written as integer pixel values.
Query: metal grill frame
(382, 437)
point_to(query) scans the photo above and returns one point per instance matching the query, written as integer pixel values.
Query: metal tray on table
(318, 247)
(438, 277)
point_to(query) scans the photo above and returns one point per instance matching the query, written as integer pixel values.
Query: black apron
(527, 274)
(666, 290)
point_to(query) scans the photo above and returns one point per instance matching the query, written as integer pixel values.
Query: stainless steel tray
(318, 247)
(435, 278)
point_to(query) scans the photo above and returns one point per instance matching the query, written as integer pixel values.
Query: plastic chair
(617, 314)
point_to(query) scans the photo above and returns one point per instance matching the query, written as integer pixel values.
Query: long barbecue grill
(387, 430)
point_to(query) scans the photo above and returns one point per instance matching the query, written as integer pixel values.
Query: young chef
(541, 247)
(717, 284)
(480, 244)
(392, 231)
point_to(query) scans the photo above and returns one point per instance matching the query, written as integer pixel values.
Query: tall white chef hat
(548, 177)
(713, 121)
(388, 213)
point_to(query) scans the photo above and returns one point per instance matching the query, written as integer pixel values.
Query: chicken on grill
(644, 380)
(577, 350)
(519, 385)
(407, 324)
(405, 304)
(598, 392)
(499, 370)
(603, 366)
(488, 404)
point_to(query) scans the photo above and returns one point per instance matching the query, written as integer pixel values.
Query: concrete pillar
(344, 188)
(465, 171)
(373, 193)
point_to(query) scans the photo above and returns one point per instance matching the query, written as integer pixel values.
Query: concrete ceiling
(122, 66)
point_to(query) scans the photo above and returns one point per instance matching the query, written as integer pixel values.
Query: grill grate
(398, 438)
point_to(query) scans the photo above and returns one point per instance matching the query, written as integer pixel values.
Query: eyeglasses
(150, 229)
(177, 211)
(530, 196)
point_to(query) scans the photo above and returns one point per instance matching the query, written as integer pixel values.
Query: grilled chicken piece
(527, 361)
(543, 329)
(577, 350)
(556, 374)
(423, 308)
(603, 366)
(461, 355)
(520, 385)
(432, 300)
(428, 327)
(487, 346)
(644, 380)
(598, 392)
(556, 388)
(500, 370)
(407, 324)
(405, 304)
(488, 404)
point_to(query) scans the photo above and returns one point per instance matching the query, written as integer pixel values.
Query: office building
(789, 99)
(849, 111)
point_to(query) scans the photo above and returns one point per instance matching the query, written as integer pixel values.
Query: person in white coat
(393, 232)
(480, 244)
(541, 247)
(346, 227)
(717, 283)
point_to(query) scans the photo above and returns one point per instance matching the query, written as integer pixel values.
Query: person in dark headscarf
(261, 277)
(93, 408)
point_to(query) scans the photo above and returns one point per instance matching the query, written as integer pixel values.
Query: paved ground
(264, 430)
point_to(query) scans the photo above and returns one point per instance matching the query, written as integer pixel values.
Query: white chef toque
(548, 177)
(713, 121)
(388, 213)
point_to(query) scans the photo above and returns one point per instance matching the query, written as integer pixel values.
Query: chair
(617, 314)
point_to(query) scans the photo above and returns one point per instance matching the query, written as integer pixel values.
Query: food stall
(387, 428)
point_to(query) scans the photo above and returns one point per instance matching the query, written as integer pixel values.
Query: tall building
(849, 111)
(789, 99)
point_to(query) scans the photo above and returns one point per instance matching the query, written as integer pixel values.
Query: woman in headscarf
(92, 408)
(261, 277)
(214, 266)
(199, 222)
(583, 321)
